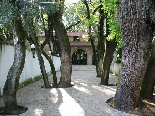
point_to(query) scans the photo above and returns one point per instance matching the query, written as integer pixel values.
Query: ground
(85, 98)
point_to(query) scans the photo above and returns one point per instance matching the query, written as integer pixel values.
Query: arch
(79, 57)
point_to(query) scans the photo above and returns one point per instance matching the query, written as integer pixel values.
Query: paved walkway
(86, 98)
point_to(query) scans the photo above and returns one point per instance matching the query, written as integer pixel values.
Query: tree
(41, 62)
(101, 40)
(97, 52)
(136, 22)
(48, 29)
(49, 19)
(103, 16)
(30, 12)
(110, 48)
(113, 37)
(12, 82)
(66, 64)
(149, 78)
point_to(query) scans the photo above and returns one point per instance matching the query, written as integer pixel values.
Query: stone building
(81, 49)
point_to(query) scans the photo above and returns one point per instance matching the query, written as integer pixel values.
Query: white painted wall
(115, 68)
(31, 67)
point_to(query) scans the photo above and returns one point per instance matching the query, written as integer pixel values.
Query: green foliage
(29, 12)
(37, 78)
(26, 82)
(29, 81)
(6, 13)
(110, 8)
(75, 12)
(114, 28)
(78, 12)
(153, 41)
(91, 21)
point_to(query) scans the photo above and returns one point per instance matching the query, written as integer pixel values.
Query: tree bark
(64, 44)
(147, 87)
(110, 48)
(12, 82)
(41, 62)
(49, 37)
(101, 40)
(135, 19)
(55, 84)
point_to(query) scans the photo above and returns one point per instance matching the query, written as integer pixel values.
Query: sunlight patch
(54, 96)
(84, 84)
(106, 90)
(69, 106)
(38, 112)
(83, 90)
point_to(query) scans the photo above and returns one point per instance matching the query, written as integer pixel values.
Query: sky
(71, 1)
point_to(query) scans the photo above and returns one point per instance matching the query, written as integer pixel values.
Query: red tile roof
(70, 34)
(82, 43)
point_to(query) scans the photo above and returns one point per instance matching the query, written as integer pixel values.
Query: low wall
(31, 67)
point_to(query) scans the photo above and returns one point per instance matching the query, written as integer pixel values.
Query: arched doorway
(79, 57)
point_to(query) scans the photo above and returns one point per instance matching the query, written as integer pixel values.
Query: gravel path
(86, 98)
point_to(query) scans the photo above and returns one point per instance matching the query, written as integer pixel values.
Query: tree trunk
(110, 48)
(135, 19)
(66, 64)
(41, 62)
(147, 87)
(101, 40)
(55, 84)
(90, 36)
(12, 82)
(47, 41)
(99, 67)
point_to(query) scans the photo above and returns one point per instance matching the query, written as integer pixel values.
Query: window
(76, 38)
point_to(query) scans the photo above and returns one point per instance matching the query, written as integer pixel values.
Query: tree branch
(100, 6)
(88, 11)
(72, 25)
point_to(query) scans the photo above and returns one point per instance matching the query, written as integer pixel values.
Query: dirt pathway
(86, 98)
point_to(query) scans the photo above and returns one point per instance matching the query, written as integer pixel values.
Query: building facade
(81, 49)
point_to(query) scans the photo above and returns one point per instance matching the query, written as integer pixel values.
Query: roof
(82, 43)
(70, 34)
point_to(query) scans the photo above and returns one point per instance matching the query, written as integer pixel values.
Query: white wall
(31, 67)
(115, 68)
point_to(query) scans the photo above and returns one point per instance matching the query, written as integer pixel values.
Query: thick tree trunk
(135, 21)
(41, 62)
(12, 82)
(147, 87)
(55, 84)
(66, 64)
(110, 48)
